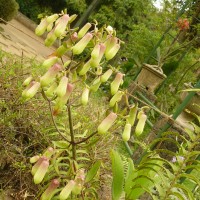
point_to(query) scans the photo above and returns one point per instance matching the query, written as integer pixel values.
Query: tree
(8, 9)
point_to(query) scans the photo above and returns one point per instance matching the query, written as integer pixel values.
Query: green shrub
(8, 9)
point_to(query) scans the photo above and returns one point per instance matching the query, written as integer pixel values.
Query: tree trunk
(87, 13)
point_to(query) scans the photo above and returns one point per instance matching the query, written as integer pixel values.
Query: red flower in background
(183, 24)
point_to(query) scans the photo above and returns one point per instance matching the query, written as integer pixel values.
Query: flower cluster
(56, 82)
(183, 24)
(83, 58)
(40, 169)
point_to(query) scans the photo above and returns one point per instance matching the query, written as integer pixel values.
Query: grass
(20, 136)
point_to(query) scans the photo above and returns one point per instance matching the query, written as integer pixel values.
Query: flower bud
(85, 96)
(132, 114)
(49, 27)
(51, 90)
(48, 77)
(49, 192)
(110, 43)
(79, 181)
(85, 68)
(37, 164)
(49, 62)
(41, 27)
(95, 86)
(61, 25)
(99, 71)
(106, 75)
(67, 63)
(95, 51)
(126, 133)
(34, 159)
(107, 123)
(61, 51)
(49, 152)
(51, 38)
(114, 86)
(115, 108)
(84, 30)
(74, 37)
(80, 46)
(116, 98)
(74, 76)
(66, 191)
(27, 81)
(80, 176)
(70, 88)
(61, 101)
(77, 189)
(31, 91)
(41, 171)
(141, 123)
(96, 62)
(112, 52)
(61, 89)
(72, 18)
(52, 18)
(27, 88)
(67, 44)
(109, 29)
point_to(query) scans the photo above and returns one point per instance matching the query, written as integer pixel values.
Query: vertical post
(87, 13)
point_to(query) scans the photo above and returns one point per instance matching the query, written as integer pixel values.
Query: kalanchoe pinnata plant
(49, 192)
(75, 70)
(141, 123)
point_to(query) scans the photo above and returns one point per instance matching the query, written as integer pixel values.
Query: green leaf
(158, 54)
(130, 168)
(190, 177)
(78, 125)
(118, 175)
(176, 194)
(185, 190)
(81, 151)
(194, 153)
(137, 191)
(170, 134)
(173, 53)
(83, 159)
(61, 144)
(191, 90)
(93, 171)
(166, 151)
(138, 183)
(191, 167)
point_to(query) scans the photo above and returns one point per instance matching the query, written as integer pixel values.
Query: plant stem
(54, 123)
(85, 139)
(71, 131)
(185, 74)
